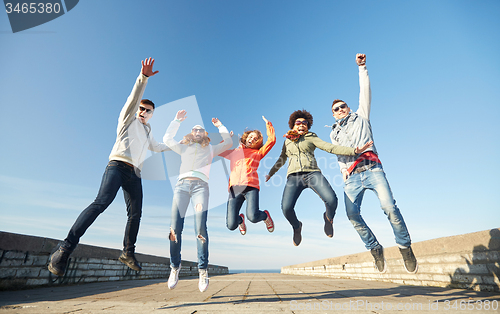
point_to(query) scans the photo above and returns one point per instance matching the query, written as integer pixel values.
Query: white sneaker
(203, 284)
(173, 279)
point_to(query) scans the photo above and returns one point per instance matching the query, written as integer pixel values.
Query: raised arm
(271, 138)
(127, 114)
(365, 95)
(226, 143)
(172, 129)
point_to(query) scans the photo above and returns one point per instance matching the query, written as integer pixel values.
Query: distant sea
(239, 271)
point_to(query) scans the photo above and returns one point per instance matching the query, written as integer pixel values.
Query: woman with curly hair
(303, 171)
(244, 179)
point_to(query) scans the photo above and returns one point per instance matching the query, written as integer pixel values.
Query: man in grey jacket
(364, 172)
(123, 170)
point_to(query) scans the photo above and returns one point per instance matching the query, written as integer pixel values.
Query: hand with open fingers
(147, 67)
(181, 115)
(360, 59)
(362, 149)
(216, 122)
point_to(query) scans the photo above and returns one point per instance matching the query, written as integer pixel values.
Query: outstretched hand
(362, 149)
(216, 122)
(147, 67)
(181, 115)
(265, 120)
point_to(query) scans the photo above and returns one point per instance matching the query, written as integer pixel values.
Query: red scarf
(365, 156)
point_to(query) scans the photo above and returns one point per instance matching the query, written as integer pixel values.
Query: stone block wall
(468, 261)
(24, 259)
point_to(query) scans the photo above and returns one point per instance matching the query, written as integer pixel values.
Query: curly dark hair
(243, 138)
(301, 114)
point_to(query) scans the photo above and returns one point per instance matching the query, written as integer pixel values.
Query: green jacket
(301, 154)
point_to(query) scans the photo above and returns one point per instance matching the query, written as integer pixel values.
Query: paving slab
(248, 293)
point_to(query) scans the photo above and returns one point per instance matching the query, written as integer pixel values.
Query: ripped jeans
(197, 192)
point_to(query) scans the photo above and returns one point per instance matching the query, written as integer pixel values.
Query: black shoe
(297, 237)
(378, 255)
(409, 259)
(328, 226)
(129, 260)
(59, 261)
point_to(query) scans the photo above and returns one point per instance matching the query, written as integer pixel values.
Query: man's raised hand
(147, 67)
(360, 59)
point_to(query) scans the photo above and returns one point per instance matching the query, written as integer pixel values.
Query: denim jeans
(237, 195)
(117, 174)
(296, 183)
(373, 179)
(197, 192)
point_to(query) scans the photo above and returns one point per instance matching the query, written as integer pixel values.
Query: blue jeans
(237, 195)
(296, 183)
(197, 192)
(373, 179)
(117, 174)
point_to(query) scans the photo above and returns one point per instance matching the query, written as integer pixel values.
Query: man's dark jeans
(118, 174)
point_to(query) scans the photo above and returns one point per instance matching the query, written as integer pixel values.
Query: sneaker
(173, 279)
(129, 260)
(203, 283)
(378, 255)
(297, 237)
(328, 226)
(59, 262)
(243, 227)
(269, 222)
(410, 262)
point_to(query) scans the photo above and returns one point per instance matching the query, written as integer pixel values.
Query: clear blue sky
(434, 68)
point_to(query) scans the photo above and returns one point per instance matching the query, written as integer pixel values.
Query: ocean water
(239, 271)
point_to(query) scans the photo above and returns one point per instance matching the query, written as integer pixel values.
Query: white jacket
(196, 160)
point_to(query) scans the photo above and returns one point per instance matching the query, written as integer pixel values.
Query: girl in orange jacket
(244, 179)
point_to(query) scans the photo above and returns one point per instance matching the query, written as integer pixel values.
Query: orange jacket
(245, 161)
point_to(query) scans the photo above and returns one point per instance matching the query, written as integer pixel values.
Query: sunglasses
(198, 130)
(141, 108)
(299, 122)
(336, 109)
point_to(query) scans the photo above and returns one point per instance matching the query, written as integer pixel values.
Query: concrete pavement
(248, 293)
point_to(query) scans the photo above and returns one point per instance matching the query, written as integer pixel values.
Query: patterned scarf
(292, 135)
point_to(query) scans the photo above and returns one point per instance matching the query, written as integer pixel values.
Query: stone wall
(468, 261)
(24, 259)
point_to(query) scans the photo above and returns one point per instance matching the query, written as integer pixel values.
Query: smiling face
(198, 133)
(301, 126)
(340, 110)
(253, 140)
(144, 113)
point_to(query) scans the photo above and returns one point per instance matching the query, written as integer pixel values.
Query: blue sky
(434, 70)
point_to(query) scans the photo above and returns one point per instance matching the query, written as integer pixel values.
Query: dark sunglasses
(343, 106)
(299, 122)
(141, 108)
